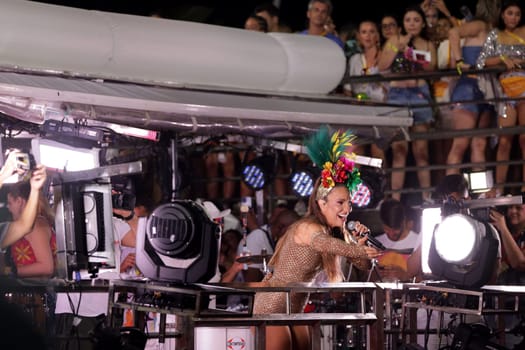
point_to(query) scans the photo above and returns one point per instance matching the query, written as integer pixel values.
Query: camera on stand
(123, 200)
(479, 209)
(123, 193)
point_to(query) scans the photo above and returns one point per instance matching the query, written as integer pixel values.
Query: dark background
(232, 13)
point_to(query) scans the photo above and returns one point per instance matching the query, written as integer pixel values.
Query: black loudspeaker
(178, 243)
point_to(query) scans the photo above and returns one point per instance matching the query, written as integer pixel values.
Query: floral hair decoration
(334, 154)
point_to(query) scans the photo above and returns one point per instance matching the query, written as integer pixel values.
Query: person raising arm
(10, 232)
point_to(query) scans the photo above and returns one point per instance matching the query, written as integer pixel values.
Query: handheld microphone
(371, 241)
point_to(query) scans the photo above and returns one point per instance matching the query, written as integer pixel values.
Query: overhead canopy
(37, 98)
(64, 63)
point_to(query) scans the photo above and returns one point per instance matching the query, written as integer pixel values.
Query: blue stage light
(259, 172)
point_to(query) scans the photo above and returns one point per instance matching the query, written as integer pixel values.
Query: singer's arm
(414, 268)
(359, 254)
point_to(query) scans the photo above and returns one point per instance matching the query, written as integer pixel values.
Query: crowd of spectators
(426, 37)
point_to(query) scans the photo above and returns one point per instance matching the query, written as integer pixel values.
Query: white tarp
(127, 47)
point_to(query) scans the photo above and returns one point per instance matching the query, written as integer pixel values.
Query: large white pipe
(109, 45)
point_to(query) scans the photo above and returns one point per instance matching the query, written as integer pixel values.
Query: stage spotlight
(178, 242)
(371, 189)
(259, 172)
(302, 181)
(463, 251)
(479, 181)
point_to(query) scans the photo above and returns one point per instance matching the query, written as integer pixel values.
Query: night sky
(233, 13)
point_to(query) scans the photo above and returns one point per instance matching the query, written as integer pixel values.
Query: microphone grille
(351, 225)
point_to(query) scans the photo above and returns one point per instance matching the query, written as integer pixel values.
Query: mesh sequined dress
(301, 263)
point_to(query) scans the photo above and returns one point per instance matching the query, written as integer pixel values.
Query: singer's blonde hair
(331, 262)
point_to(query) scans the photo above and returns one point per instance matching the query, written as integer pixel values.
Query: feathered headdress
(334, 154)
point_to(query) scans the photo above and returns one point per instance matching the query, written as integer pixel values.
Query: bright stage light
(362, 196)
(479, 181)
(259, 172)
(371, 189)
(302, 183)
(61, 157)
(463, 231)
(463, 250)
(430, 217)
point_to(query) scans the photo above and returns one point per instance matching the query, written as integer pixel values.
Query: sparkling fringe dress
(494, 48)
(301, 263)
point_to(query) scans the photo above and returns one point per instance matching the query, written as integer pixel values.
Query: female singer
(308, 247)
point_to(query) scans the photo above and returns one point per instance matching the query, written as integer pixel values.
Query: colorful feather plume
(333, 153)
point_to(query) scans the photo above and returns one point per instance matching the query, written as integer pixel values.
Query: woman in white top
(365, 63)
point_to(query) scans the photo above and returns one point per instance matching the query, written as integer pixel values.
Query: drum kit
(254, 259)
(257, 260)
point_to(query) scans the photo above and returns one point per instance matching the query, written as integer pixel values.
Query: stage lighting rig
(459, 243)
(464, 251)
(76, 134)
(178, 243)
(371, 189)
(479, 181)
(260, 171)
(302, 181)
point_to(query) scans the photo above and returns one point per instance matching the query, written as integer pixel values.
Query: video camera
(479, 209)
(123, 200)
(123, 193)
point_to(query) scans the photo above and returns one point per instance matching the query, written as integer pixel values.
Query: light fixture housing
(463, 251)
(302, 181)
(371, 189)
(178, 243)
(479, 181)
(259, 172)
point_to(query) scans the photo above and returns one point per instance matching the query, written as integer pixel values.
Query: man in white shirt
(400, 240)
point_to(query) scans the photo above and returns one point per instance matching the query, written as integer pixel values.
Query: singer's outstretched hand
(371, 252)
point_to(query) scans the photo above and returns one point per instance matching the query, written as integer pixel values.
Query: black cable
(427, 327)
(72, 329)
(75, 311)
(77, 315)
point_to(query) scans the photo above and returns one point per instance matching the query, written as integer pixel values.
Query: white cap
(213, 212)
